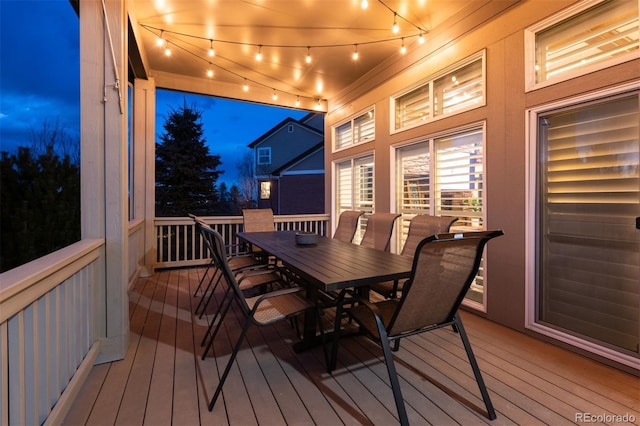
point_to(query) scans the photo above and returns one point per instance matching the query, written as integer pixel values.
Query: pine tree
(186, 173)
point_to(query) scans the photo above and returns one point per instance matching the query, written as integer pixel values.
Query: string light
(160, 41)
(396, 27)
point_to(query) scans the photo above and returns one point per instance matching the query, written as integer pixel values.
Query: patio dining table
(329, 266)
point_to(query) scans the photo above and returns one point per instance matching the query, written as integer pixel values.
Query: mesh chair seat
(277, 308)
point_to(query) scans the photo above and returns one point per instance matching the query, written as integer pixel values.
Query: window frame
(337, 207)
(434, 207)
(429, 82)
(567, 14)
(259, 152)
(352, 121)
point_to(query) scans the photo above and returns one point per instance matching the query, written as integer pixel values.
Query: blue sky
(39, 82)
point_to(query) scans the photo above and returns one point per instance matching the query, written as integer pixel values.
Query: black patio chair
(444, 267)
(260, 310)
(377, 235)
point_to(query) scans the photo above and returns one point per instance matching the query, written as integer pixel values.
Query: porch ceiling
(284, 28)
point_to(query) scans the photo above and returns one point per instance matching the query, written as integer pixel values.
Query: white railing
(179, 245)
(47, 332)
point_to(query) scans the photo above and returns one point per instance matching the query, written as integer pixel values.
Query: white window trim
(351, 119)
(258, 162)
(530, 50)
(531, 211)
(429, 81)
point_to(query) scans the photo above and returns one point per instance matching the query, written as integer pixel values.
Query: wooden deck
(162, 380)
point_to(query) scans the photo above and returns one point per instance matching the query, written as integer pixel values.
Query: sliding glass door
(588, 244)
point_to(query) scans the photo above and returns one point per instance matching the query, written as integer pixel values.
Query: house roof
(317, 147)
(282, 124)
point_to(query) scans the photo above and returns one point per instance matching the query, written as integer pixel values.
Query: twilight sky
(39, 82)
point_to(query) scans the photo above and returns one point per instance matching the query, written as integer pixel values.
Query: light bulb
(212, 52)
(421, 39)
(259, 54)
(355, 53)
(167, 51)
(403, 49)
(395, 27)
(209, 73)
(275, 96)
(308, 58)
(298, 101)
(364, 4)
(245, 87)
(160, 42)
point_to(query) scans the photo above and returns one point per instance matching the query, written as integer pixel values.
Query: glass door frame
(532, 210)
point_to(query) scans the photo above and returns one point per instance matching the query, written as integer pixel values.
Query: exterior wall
(308, 201)
(504, 114)
(285, 146)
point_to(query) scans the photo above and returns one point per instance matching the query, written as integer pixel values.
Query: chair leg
(204, 301)
(474, 366)
(218, 314)
(227, 369)
(206, 272)
(393, 375)
(227, 300)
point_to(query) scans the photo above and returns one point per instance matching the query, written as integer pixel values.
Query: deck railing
(46, 330)
(180, 245)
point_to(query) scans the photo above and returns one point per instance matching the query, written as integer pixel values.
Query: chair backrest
(422, 226)
(444, 267)
(258, 220)
(201, 225)
(379, 230)
(347, 225)
(219, 252)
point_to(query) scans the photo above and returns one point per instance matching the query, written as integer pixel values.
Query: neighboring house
(289, 166)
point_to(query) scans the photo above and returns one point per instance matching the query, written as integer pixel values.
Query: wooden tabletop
(331, 264)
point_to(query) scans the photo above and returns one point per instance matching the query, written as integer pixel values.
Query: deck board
(163, 380)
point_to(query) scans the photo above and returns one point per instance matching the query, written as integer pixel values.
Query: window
(587, 199)
(358, 130)
(444, 176)
(590, 36)
(354, 189)
(264, 156)
(265, 190)
(290, 128)
(457, 89)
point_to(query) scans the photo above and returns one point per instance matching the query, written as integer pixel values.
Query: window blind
(600, 33)
(354, 189)
(459, 173)
(589, 249)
